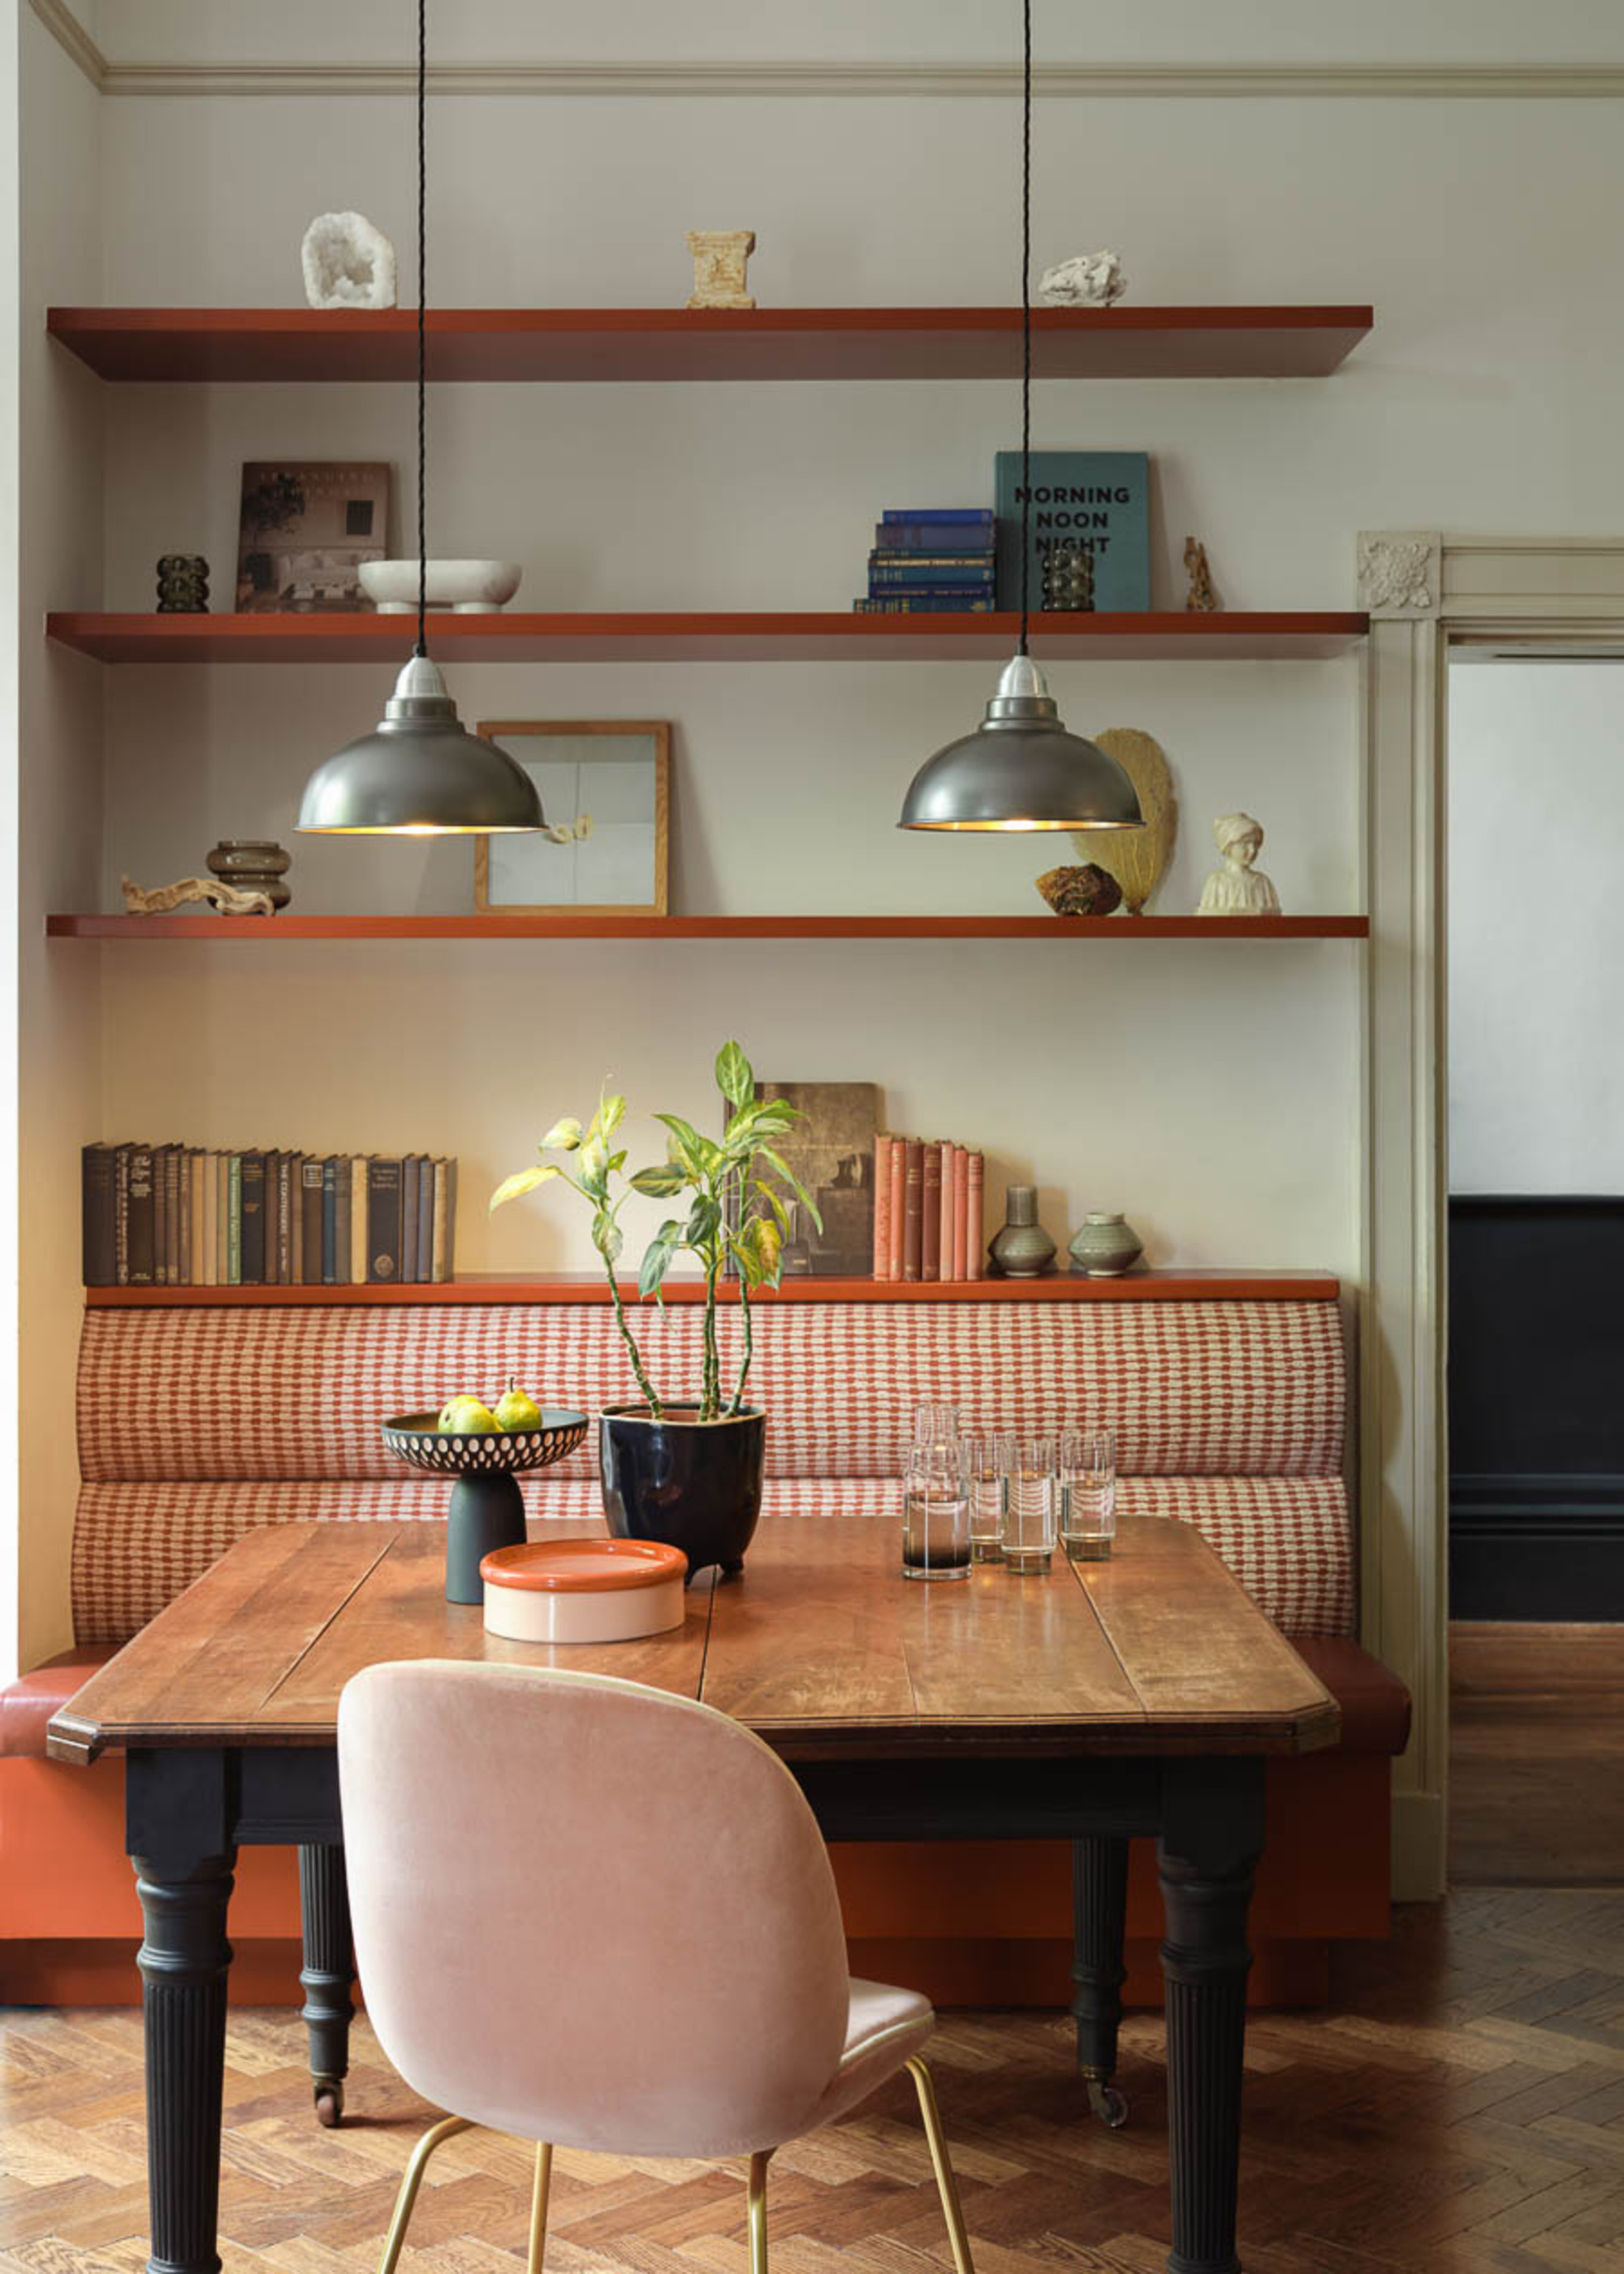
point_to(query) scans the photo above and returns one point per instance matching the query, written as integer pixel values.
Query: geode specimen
(1088, 280)
(347, 263)
(1088, 891)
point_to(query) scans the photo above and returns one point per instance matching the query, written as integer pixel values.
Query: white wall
(1536, 927)
(60, 720)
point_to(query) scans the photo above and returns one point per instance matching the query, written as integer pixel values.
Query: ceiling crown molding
(70, 35)
(1157, 80)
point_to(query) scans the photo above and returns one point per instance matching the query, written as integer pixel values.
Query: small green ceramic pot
(1021, 1249)
(1104, 1245)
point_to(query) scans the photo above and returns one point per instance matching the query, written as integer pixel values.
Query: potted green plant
(686, 1470)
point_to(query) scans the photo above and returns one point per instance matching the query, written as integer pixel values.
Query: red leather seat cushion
(1375, 1703)
(28, 1703)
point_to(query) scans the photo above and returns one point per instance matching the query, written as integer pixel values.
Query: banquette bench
(197, 1423)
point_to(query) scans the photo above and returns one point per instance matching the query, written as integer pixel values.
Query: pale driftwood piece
(1200, 601)
(720, 259)
(1138, 858)
(227, 899)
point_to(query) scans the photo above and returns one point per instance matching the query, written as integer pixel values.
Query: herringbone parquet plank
(1460, 2108)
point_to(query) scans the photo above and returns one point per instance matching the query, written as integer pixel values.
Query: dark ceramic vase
(693, 1485)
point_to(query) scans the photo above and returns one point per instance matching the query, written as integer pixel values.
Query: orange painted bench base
(972, 1925)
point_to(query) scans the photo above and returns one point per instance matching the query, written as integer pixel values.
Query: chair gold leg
(947, 2187)
(538, 2204)
(758, 2212)
(407, 2198)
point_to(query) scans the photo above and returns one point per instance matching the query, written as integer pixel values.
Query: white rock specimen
(1088, 280)
(348, 263)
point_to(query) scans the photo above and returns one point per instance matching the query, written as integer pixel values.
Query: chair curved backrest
(586, 1911)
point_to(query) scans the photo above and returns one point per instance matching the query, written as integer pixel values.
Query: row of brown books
(927, 1205)
(179, 1215)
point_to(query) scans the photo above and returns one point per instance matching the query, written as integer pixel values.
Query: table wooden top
(821, 1646)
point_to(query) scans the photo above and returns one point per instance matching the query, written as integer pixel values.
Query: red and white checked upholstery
(198, 1425)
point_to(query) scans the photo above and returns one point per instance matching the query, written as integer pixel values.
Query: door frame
(1426, 592)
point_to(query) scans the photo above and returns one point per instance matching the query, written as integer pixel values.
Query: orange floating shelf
(521, 926)
(588, 1287)
(680, 345)
(821, 636)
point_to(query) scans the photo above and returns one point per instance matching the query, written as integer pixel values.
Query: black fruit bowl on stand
(487, 1507)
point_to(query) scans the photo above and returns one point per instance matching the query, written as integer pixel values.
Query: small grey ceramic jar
(1104, 1246)
(1021, 1249)
(254, 863)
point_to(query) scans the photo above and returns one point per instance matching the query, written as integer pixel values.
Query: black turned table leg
(326, 1975)
(1099, 1902)
(1212, 1837)
(183, 1960)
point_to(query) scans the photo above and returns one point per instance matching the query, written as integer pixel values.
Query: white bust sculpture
(1238, 889)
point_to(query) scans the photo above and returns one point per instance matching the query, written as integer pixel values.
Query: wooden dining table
(1099, 1702)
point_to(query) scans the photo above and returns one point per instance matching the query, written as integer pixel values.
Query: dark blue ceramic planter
(696, 1485)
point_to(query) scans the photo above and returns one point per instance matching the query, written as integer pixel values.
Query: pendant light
(420, 773)
(1020, 770)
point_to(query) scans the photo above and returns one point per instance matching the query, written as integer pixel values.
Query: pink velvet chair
(600, 1916)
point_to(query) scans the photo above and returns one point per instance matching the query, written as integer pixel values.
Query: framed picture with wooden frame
(604, 785)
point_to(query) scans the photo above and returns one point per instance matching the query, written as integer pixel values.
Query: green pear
(517, 1408)
(466, 1417)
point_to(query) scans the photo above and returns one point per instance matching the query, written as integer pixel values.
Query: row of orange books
(927, 1204)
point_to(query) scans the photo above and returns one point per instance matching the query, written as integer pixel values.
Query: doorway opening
(1536, 1261)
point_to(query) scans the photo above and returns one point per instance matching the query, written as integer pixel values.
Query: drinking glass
(984, 1466)
(935, 1424)
(935, 1514)
(1088, 1494)
(1031, 1504)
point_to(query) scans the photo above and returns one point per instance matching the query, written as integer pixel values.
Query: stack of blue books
(932, 560)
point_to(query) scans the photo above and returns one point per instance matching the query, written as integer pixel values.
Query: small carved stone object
(1068, 576)
(183, 584)
(1088, 891)
(254, 865)
(1200, 599)
(225, 899)
(1088, 280)
(1238, 889)
(348, 263)
(720, 259)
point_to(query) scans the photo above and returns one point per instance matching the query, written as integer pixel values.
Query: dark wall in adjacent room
(1535, 1408)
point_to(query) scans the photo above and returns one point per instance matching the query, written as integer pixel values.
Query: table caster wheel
(1107, 2103)
(330, 2103)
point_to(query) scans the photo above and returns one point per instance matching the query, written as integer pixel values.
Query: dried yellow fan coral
(1138, 858)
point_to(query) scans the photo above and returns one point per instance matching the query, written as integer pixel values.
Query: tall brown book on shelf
(931, 1212)
(912, 1208)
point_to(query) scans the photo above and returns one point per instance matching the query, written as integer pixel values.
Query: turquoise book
(1098, 499)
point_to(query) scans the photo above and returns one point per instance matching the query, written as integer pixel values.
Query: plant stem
(712, 1400)
(655, 1408)
(750, 1344)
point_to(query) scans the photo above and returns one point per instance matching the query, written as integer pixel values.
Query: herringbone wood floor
(1460, 2108)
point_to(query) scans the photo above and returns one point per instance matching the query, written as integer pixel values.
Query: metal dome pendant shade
(420, 773)
(1020, 770)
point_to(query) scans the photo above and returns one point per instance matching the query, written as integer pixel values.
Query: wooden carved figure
(1200, 599)
(720, 259)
